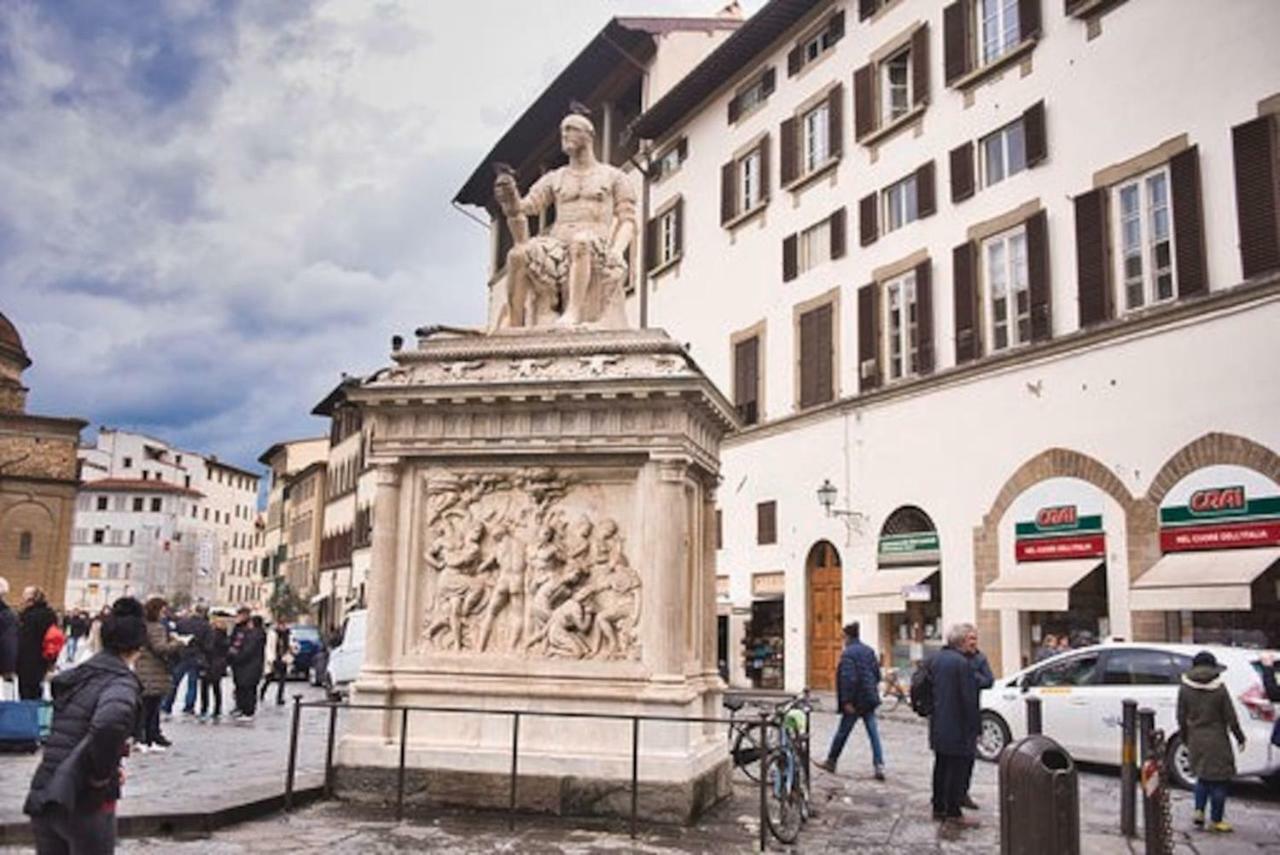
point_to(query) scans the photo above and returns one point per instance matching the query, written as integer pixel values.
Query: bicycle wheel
(747, 748)
(785, 805)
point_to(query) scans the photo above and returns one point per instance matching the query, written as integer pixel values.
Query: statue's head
(576, 132)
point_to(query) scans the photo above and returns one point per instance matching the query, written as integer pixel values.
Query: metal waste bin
(1039, 799)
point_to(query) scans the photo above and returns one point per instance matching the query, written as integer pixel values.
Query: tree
(284, 604)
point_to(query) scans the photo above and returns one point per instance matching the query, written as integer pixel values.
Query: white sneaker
(156, 749)
(142, 748)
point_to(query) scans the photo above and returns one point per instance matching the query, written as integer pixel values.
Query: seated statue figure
(574, 273)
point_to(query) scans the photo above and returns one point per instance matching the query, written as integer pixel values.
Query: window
(749, 189)
(815, 45)
(146, 475)
(77, 569)
(663, 245)
(753, 95)
(127, 463)
(1004, 153)
(900, 203)
(901, 335)
(1143, 668)
(1145, 240)
(998, 26)
(1076, 671)
(102, 503)
(766, 523)
(1008, 296)
(668, 226)
(95, 570)
(113, 570)
(139, 504)
(24, 546)
(746, 379)
(670, 160)
(817, 137)
(99, 535)
(815, 245)
(817, 356)
(155, 505)
(744, 183)
(895, 86)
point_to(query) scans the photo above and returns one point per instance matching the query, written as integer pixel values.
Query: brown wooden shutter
(764, 168)
(1035, 141)
(795, 60)
(920, 65)
(766, 523)
(790, 257)
(824, 328)
(926, 195)
(651, 244)
(808, 359)
(864, 101)
(965, 288)
(867, 8)
(719, 529)
(683, 148)
(789, 152)
(734, 109)
(924, 317)
(1038, 286)
(955, 39)
(835, 119)
(962, 177)
(1257, 196)
(1029, 18)
(728, 192)
(839, 230)
(1070, 6)
(835, 28)
(679, 217)
(746, 379)
(1093, 280)
(768, 81)
(1188, 222)
(869, 337)
(867, 229)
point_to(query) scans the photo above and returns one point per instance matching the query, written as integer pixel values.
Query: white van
(347, 658)
(1081, 694)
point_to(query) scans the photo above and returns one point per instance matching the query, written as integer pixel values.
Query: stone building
(38, 481)
(287, 542)
(998, 312)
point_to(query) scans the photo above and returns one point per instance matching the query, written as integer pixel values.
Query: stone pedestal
(543, 541)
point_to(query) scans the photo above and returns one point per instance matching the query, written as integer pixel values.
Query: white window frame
(815, 137)
(1009, 273)
(998, 28)
(901, 327)
(748, 174)
(899, 204)
(1003, 139)
(814, 246)
(815, 46)
(670, 161)
(751, 96)
(1151, 217)
(667, 226)
(887, 114)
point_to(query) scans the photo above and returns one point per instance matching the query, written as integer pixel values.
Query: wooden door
(825, 634)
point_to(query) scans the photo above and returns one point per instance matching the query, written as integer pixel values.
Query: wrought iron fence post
(515, 765)
(635, 771)
(404, 744)
(764, 785)
(293, 752)
(328, 751)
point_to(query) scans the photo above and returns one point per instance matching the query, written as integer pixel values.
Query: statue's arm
(540, 197)
(624, 214)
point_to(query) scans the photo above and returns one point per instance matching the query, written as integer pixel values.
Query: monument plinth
(543, 539)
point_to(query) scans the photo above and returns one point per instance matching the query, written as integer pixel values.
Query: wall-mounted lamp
(827, 498)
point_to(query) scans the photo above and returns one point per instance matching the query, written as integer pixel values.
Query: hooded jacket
(95, 707)
(153, 664)
(1205, 714)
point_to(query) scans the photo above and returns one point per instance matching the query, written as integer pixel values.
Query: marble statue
(574, 273)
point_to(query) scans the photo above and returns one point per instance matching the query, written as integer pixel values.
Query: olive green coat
(153, 665)
(1205, 714)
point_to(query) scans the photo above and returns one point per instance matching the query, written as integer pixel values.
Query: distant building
(297, 475)
(37, 481)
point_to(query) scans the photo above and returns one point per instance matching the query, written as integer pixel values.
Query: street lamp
(827, 498)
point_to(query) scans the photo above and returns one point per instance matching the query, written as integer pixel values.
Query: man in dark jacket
(34, 622)
(985, 680)
(8, 635)
(95, 706)
(953, 724)
(245, 657)
(858, 695)
(191, 659)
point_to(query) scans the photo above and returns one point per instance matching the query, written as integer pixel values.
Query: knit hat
(124, 629)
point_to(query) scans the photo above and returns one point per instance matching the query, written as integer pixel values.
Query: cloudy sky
(209, 209)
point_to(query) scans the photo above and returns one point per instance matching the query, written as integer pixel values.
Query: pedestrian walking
(1205, 715)
(72, 800)
(953, 723)
(33, 626)
(213, 669)
(154, 672)
(857, 695)
(244, 655)
(8, 635)
(279, 653)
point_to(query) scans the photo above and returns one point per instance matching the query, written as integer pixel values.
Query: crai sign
(1060, 531)
(1220, 517)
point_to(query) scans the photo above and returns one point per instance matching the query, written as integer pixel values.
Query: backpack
(922, 690)
(52, 643)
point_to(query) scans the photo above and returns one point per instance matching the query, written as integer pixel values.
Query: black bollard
(1129, 768)
(1035, 724)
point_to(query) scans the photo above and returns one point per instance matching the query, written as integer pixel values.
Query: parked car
(307, 643)
(346, 658)
(1081, 694)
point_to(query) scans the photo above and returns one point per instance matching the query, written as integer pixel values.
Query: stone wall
(26, 454)
(45, 511)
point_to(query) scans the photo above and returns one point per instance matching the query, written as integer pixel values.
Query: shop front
(762, 642)
(1218, 575)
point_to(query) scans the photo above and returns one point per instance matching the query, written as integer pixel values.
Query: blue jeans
(847, 721)
(1214, 792)
(191, 670)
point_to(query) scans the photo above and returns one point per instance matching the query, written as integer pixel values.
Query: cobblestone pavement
(856, 813)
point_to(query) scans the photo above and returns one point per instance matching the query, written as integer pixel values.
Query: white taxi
(1081, 694)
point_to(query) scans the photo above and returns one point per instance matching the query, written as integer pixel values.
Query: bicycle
(747, 737)
(786, 770)
(892, 692)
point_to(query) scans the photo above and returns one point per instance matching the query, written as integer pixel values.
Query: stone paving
(856, 813)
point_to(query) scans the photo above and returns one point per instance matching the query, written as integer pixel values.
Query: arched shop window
(907, 585)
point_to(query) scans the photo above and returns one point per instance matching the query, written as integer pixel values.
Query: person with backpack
(858, 695)
(1205, 714)
(37, 630)
(953, 723)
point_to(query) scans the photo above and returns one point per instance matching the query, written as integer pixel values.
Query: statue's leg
(579, 279)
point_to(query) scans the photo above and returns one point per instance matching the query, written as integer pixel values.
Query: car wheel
(993, 736)
(1178, 762)
(1272, 781)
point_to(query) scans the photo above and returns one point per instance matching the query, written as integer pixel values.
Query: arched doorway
(825, 612)
(908, 560)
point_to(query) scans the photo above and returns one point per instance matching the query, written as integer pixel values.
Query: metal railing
(766, 721)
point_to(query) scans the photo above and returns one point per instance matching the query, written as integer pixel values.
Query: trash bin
(1039, 799)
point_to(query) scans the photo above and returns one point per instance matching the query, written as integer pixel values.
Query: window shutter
(790, 257)
(1033, 134)
(839, 228)
(795, 61)
(767, 523)
(808, 359)
(955, 40)
(962, 177)
(768, 81)
(963, 271)
(1188, 222)
(864, 101)
(1038, 277)
(683, 148)
(1254, 147)
(920, 65)
(764, 168)
(728, 192)
(651, 244)
(824, 385)
(1070, 6)
(924, 317)
(1029, 18)
(789, 151)
(746, 356)
(835, 28)
(679, 217)
(867, 8)
(733, 109)
(926, 197)
(835, 118)
(868, 337)
(867, 228)
(1093, 289)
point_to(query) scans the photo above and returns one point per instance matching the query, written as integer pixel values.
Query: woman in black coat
(95, 706)
(33, 623)
(213, 668)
